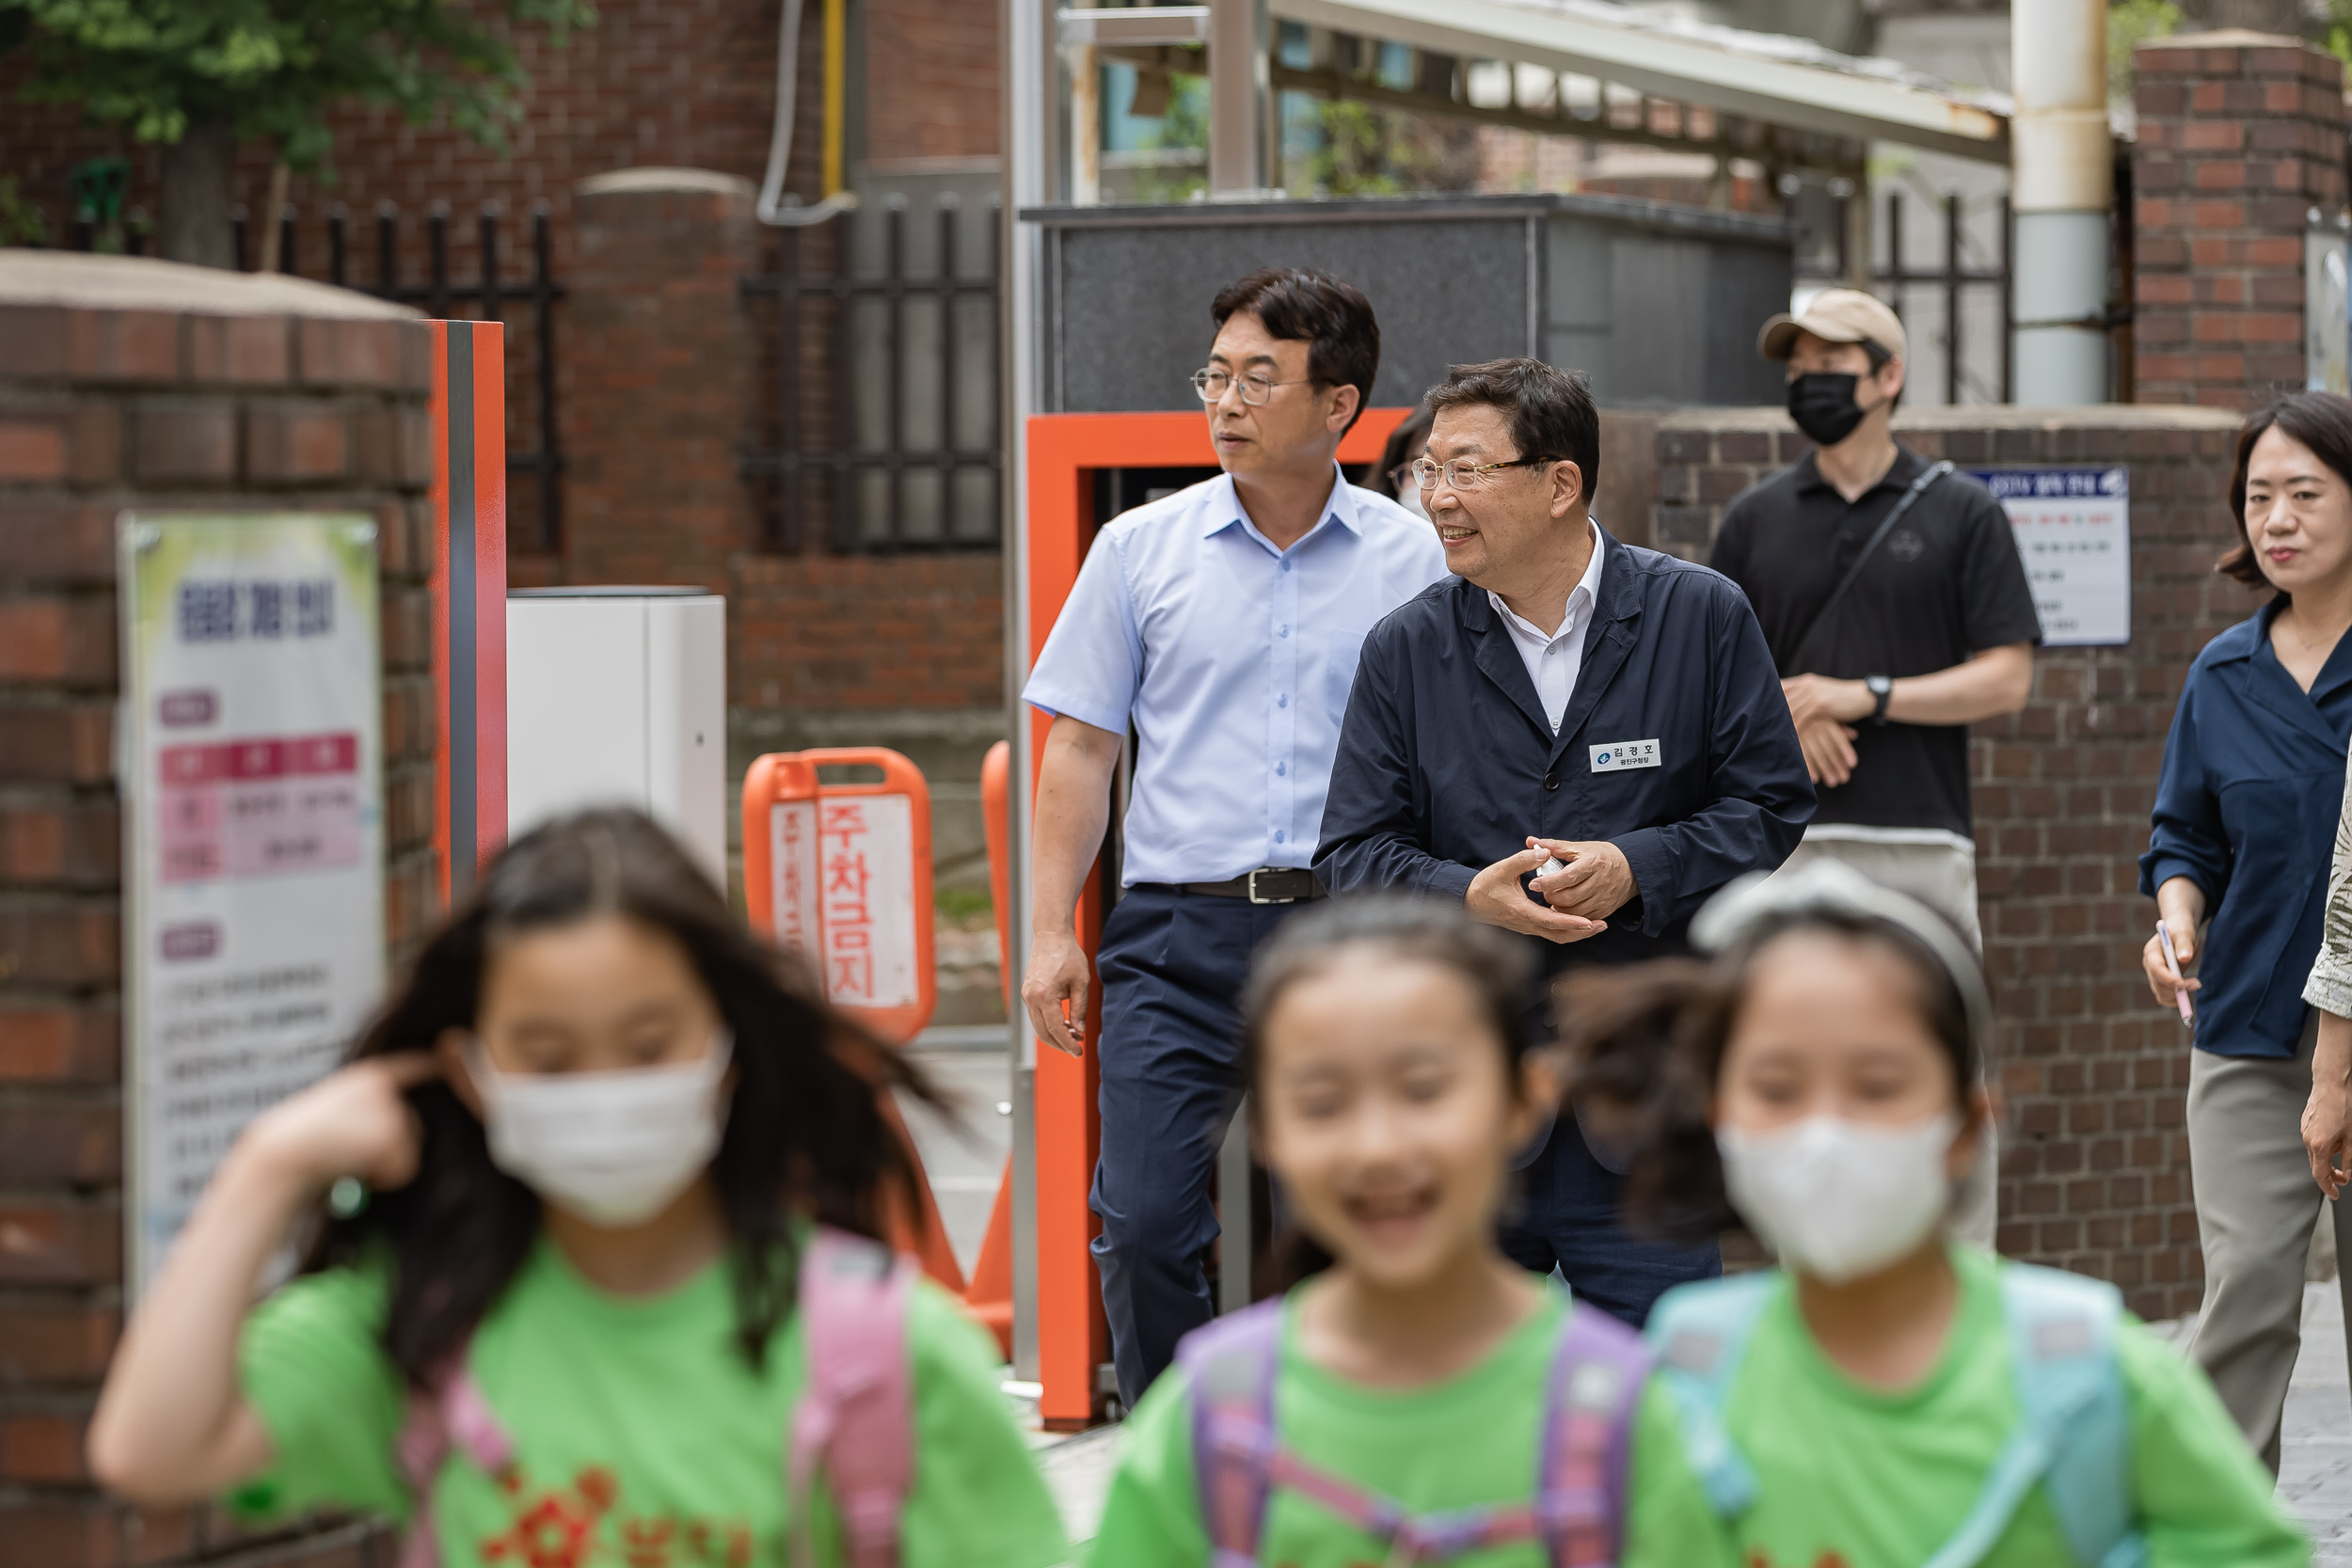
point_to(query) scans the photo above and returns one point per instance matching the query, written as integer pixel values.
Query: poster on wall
(2073, 530)
(250, 767)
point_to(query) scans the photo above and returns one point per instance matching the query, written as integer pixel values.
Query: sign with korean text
(863, 847)
(250, 770)
(837, 868)
(2074, 531)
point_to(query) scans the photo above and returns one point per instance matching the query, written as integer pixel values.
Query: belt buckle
(1253, 890)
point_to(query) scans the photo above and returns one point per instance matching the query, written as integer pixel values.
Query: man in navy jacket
(1564, 697)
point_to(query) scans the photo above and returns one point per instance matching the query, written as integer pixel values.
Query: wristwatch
(1882, 689)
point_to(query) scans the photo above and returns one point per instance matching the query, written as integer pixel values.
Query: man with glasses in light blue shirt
(1222, 624)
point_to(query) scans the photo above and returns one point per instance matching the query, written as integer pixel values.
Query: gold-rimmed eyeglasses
(1463, 474)
(1256, 388)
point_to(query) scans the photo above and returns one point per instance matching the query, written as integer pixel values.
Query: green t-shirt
(1850, 1478)
(643, 1436)
(1473, 1439)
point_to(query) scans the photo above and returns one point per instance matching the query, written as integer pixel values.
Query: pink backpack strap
(857, 1417)
(1590, 1401)
(1229, 1366)
(452, 1413)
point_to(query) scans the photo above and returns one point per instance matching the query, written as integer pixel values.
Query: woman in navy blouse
(2244, 820)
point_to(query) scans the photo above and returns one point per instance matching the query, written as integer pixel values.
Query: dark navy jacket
(2247, 809)
(1446, 763)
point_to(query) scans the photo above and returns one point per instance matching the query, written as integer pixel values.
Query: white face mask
(613, 1148)
(1838, 1199)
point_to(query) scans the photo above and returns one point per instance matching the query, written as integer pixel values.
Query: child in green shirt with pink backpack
(1419, 1398)
(1889, 1397)
(596, 1275)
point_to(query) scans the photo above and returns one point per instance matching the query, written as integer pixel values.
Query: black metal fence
(1953, 279)
(888, 429)
(489, 294)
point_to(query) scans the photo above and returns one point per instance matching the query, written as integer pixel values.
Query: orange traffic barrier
(989, 1296)
(1065, 451)
(925, 1240)
(997, 828)
(842, 872)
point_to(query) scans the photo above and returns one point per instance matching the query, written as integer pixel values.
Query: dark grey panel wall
(1659, 320)
(1657, 305)
(1130, 306)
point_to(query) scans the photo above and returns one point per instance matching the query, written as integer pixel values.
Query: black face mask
(1823, 407)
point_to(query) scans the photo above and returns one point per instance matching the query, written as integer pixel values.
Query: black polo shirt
(1946, 584)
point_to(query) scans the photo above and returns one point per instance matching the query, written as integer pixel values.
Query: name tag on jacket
(1617, 755)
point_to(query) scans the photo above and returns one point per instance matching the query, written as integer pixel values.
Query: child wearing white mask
(593, 1184)
(1889, 1397)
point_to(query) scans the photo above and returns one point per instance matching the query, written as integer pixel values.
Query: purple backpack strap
(1229, 1366)
(857, 1414)
(1594, 1393)
(452, 1413)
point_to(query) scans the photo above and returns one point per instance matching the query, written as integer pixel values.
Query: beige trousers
(1943, 876)
(2256, 1208)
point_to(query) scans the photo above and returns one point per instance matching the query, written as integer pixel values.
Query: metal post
(2009, 302)
(1952, 296)
(2062, 180)
(947, 387)
(543, 308)
(1895, 252)
(844, 392)
(894, 351)
(1234, 63)
(1086, 126)
(1234, 1219)
(790, 480)
(338, 242)
(436, 231)
(487, 240)
(1028, 34)
(387, 249)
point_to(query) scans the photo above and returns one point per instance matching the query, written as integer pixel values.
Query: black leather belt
(1265, 885)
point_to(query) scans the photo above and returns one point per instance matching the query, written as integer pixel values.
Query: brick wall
(2240, 137)
(930, 79)
(654, 82)
(214, 392)
(2095, 1167)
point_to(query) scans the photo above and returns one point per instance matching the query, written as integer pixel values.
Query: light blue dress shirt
(1232, 659)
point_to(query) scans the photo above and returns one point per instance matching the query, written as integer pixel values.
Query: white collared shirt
(1232, 659)
(1553, 659)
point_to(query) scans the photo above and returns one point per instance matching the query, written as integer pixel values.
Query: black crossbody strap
(1919, 486)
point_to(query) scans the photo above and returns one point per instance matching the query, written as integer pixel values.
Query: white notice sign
(2073, 530)
(250, 770)
(866, 853)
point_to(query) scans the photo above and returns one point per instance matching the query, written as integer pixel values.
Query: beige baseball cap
(1837, 316)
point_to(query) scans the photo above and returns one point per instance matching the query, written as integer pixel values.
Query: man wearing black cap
(1893, 599)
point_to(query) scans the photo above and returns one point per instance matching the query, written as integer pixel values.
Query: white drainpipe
(2062, 185)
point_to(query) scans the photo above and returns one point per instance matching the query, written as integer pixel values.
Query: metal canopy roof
(1787, 81)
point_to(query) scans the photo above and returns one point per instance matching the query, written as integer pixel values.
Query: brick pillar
(220, 392)
(2094, 1155)
(2241, 136)
(660, 393)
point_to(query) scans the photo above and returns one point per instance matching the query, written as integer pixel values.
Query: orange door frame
(1065, 451)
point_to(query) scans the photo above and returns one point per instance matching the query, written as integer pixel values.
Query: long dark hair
(1645, 1048)
(2320, 420)
(805, 1133)
(1400, 929)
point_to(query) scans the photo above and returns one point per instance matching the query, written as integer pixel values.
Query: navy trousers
(1172, 965)
(1570, 1217)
